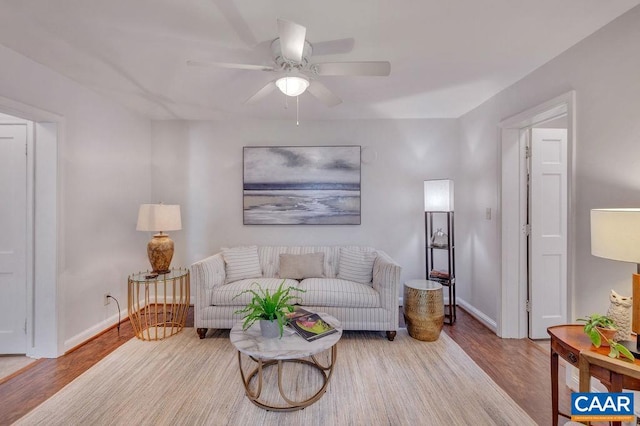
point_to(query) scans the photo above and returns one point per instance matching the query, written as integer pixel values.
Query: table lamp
(159, 218)
(615, 234)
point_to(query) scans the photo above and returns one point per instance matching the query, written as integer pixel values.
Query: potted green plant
(601, 329)
(268, 308)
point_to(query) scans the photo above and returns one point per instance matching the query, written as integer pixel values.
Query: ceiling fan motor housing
(286, 64)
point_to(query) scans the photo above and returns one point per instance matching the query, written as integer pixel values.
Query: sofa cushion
(241, 263)
(336, 292)
(299, 266)
(356, 265)
(270, 258)
(224, 294)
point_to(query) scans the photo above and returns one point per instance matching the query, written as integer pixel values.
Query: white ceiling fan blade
(292, 37)
(333, 47)
(230, 66)
(375, 68)
(323, 94)
(262, 93)
(229, 10)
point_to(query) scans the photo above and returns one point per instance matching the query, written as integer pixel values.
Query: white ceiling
(447, 56)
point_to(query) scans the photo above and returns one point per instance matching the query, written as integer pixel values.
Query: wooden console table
(567, 342)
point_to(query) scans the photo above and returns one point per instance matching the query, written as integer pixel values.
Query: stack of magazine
(309, 325)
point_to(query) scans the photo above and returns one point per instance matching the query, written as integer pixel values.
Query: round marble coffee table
(290, 348)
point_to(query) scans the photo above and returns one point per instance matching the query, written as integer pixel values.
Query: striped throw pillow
(356, 265)
(241, 263)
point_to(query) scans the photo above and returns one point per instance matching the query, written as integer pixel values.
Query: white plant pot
(269, 329)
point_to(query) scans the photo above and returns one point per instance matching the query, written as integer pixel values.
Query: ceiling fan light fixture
(292, 85)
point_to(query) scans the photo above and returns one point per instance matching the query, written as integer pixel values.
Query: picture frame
(302, 185)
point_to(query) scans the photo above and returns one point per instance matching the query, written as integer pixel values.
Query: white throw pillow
(241, 263)
(356, 265)
(300, 266)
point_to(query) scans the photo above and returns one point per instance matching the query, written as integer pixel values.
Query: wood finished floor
(520, 366)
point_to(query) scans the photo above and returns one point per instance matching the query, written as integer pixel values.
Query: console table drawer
(567, 353)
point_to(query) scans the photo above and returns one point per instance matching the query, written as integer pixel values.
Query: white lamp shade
(159, 217)
(438, 195)
(292, 85)
(615, 234)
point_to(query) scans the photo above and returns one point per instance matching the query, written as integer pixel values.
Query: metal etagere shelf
(436, 263)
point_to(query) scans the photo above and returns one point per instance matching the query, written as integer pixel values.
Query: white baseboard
(479, 315)
(91, 332)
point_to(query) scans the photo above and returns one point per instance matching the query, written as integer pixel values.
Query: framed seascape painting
(301, 185)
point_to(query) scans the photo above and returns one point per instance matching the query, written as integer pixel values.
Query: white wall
(104, 174)
(104, 151)
(604, 70)
(199, 165)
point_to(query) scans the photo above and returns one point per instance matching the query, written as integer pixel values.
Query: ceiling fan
(295, 73)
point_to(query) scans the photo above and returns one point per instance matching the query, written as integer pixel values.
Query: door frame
(28, 212)
(512, 314)
(44, 337)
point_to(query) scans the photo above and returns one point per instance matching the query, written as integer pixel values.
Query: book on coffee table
(309, 325)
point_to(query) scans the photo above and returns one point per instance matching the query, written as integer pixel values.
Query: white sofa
(363, 295)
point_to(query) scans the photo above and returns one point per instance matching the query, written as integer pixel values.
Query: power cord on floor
(117, 303)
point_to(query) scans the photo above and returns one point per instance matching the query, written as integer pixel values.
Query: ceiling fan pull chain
(297, 107)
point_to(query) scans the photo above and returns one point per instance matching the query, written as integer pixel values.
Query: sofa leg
(391, 335)
(202, 332)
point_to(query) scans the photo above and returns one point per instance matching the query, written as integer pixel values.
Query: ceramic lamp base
(160, 252)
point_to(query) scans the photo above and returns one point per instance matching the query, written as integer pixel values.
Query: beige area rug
(187, 381)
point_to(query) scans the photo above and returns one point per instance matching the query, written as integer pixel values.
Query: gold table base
(291, 405)
(158, 305)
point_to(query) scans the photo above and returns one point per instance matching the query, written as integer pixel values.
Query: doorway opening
(518, 259)
(42, 301)
(16, 170)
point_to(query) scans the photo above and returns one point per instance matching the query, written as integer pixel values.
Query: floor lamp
(615, 234)
(438, 198)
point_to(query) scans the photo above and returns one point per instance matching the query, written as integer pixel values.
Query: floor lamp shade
(615, 235)
(159, 218)
(438, 195)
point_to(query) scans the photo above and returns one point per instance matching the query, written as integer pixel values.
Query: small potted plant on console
(601, 329)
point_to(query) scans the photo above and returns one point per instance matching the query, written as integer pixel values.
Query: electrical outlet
(107, 298)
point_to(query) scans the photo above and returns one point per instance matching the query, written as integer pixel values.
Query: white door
(13, 238)
(548, 231)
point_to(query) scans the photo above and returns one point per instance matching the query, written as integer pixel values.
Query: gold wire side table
(158, 303)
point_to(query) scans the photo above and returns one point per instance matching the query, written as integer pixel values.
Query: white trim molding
(479, 315)
(512, 316)
(43, 307)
